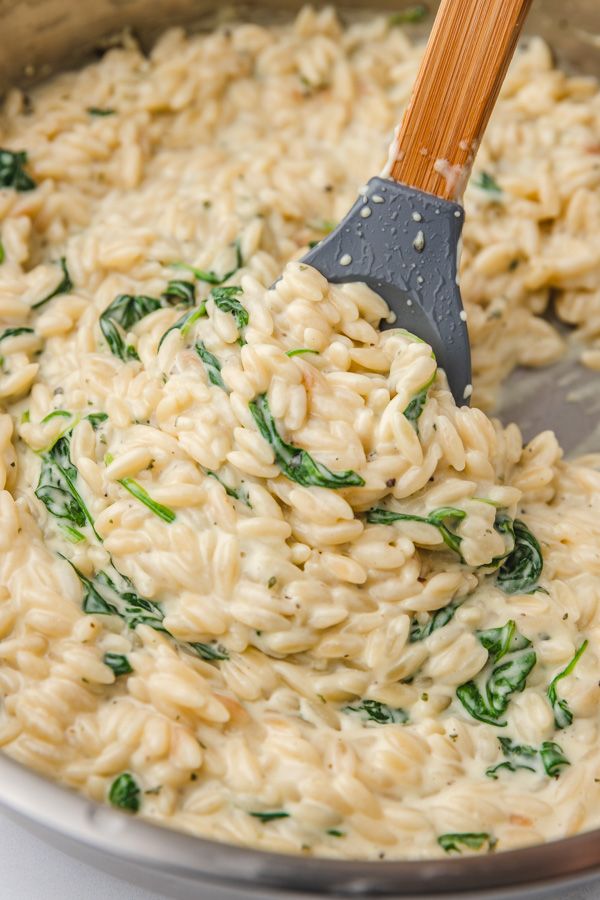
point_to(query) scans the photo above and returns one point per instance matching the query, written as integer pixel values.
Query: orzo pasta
(260, 578)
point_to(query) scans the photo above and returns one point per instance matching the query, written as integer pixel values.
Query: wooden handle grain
(469, 49)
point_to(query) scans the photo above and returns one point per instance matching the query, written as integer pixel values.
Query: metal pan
(42, 36)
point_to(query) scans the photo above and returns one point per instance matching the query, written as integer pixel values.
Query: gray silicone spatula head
(402, 236)
(403, 244)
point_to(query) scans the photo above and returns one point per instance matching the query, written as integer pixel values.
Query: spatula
(402, 236)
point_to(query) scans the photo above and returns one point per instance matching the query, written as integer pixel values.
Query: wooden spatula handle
(469, 49)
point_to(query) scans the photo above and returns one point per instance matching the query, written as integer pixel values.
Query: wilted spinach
(409, 16)
(209, 652)
(96, 419)
(180, 292)
(521, 570)
(185, 322)
(297, 464)
(118, 663)
(64, 286)
(500, 641)
(522, 756)
(451, 843)
(14, 332)
(301, 351)
(380, 713)
(416, 406)
(109, 593)
(486, 182)
(12, 171)
(553, 758)
(136, 490)
(518, 756)
(57, 485)
(225, 299)
(437, 518)
(436, 620)
(237, 493)
(211, 364)
(270, 816)
(210, 277)
(72, 534)
(118, 318)
(563, 716)
(489, 704)
(57, 488)
(125, 793)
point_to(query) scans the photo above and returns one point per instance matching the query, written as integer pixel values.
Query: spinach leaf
(524, 751)
(416, 406)
(125, 793)
(451, 843)
(64, 286)
(57, 485)
(490, 704)
(96, 419)
(12, 172)
(409, 16)
(500, 641)
(297, 464)
(237, 493)
(518, 756)
(59, 414)
(505, 680)
(492, 771)
(226, 300)
(522, 567)
(182, 292)
(270, 816)
(486, 182)
(118, 663)
(127, 310)
(2, 253)
(72, 534)
(118, 318)
(380, 713)
(437, 620)
(301, 351)
(185, 322)
(14, 332)
(210, 277)
(136, 490)
(563, 716)
(210, 652)
(99, 111)
(207, 276)
(553, 758)
(437, 517)
(522, 756)
(109, 593)
(212, 365)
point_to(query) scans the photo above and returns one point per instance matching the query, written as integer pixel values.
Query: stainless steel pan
(41, 36)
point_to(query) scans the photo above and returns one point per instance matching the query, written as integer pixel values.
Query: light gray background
(31, 870)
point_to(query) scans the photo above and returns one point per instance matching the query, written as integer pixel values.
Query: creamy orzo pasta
(260, 578)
